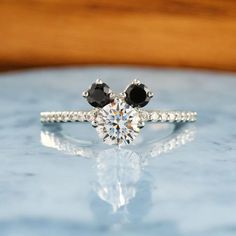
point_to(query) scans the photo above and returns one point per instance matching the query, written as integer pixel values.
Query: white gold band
(89, 116)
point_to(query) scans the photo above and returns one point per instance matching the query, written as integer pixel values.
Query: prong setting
(94, 123)
(136, 81)
(85, 94)
(141, 124)
(99, 81)
(150, 94)
(123, 94)
(112, 95)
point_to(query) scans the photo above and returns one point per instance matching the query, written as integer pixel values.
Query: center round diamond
(118, 123)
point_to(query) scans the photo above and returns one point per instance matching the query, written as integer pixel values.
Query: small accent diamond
(154, 116)
(164, 117)
(171, 117)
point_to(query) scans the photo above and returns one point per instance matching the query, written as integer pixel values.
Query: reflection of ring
(117, 178)
(118, 118)
(53, 137)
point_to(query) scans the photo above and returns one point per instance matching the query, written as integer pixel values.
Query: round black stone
(98, 95)
(137, 95)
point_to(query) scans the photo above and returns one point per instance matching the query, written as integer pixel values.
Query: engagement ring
(118, 118)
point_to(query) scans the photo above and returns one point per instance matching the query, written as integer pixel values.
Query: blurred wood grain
(176, 33)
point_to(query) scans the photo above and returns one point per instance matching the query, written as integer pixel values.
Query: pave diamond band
(66, 116)
(118, 118)
(89, 116)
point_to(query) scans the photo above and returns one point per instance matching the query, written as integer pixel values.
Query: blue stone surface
(178, 181)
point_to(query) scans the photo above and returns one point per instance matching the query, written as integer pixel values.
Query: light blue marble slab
(177, 182)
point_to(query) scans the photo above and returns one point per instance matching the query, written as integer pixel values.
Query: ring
(118, 118)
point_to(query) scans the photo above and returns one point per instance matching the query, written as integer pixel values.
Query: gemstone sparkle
(118, 123)
(99, 95)
(137, 95)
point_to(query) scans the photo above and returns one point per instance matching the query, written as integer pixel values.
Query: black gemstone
(137, 95)
(99, 95)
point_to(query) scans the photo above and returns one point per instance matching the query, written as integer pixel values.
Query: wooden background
(176, 33)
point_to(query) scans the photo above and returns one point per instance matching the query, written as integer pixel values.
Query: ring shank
(146, 116)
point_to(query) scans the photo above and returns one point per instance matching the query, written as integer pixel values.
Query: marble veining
(64, 181)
